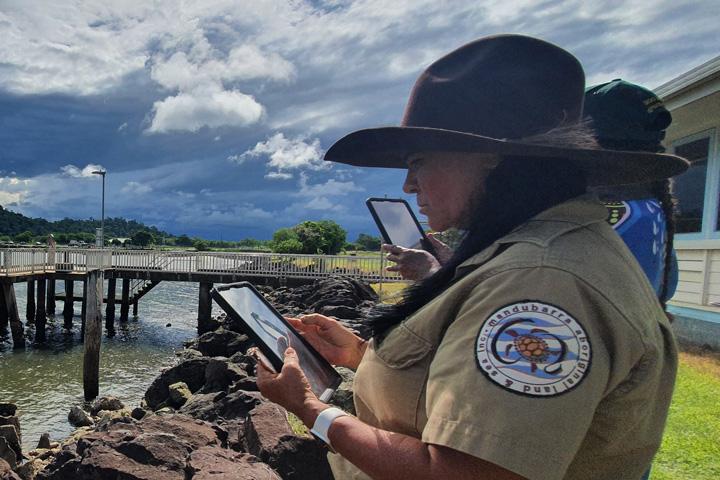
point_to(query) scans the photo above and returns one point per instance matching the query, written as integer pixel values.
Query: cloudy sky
(212, 116)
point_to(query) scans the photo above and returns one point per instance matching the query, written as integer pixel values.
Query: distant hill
(12, 223)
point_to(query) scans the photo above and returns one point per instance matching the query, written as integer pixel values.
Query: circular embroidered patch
(533, 348)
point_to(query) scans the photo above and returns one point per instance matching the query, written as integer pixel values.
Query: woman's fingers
(291, 357)
(297, 324)
(263, 375)
(393, 250)
(318, 320)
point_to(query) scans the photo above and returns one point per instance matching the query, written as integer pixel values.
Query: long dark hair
(516, 190)
(662, 190)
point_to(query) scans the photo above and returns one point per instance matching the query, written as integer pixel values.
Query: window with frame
(689, 188)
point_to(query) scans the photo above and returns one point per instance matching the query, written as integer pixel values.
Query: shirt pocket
(403, 348)
(392, 383)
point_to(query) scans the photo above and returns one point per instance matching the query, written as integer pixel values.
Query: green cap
(627, 116)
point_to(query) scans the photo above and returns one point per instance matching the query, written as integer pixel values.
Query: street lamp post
(102, 217)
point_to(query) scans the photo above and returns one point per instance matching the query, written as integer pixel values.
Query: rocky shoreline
(200, 419)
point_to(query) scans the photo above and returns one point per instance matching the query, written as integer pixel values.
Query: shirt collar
(543, 228)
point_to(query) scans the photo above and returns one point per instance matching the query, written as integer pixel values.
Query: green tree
(24, 237)
(142, 238)
(284, 234)
(116, 243)
(201, 245)
(310, 235)
(368, 242)
(183, 241)
(334, 237)
(288, 246)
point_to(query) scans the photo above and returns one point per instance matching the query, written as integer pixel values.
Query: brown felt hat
(491, 96)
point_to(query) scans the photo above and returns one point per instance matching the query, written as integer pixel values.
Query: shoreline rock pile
(204, 418)
(10, 438)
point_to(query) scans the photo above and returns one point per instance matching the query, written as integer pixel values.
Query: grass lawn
(691, 445)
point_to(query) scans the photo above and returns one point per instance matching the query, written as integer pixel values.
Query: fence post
(382, 271)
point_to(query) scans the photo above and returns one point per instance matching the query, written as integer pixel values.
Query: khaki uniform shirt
(549, 356)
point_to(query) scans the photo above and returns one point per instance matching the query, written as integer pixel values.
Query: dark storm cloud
(211, 120)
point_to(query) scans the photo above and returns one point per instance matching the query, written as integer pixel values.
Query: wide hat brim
(389, 147)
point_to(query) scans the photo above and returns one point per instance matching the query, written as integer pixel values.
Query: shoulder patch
(533, 348)
(618, 213)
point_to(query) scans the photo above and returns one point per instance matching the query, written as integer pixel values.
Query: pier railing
(16, 261)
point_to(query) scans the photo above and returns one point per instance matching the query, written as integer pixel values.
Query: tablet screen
(399, 224)
(270, 329)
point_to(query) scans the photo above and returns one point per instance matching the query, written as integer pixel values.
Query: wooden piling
(204, 307)
(50, 303)
(110, 309)
(93, 333)
(40, 313)
(83, 308)
(4, 317)
(16, 326)
(68, 309)
(125, 301)
(135, 308)
(30, 305)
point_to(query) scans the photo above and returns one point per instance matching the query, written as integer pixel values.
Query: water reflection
(45, 381)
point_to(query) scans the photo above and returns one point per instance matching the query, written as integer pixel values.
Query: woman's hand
(337, 344)
(443, 252)
(290, 389)
(412, 264)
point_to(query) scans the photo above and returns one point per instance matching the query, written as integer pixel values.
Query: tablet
(398, 224)
(273, 334)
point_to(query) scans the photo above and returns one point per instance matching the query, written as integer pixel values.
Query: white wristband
(323, 422)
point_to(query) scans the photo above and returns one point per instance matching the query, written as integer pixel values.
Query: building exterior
(694, 100)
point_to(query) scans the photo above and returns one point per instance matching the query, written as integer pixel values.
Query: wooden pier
(139, 271)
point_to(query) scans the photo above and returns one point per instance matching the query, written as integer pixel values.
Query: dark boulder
(268, 435)
(6, 472)
(11, 436)
(192, 372)
(138, 413)
(8, 409)
(63, 466)
(44, 441)
(7, 453)
(343, 396)
(216, 464)
(300, 458)
(264, 427)
(340, 311)
(106, 403)
(155, 449)
(220, 374)
(179, 394)
(79, 417)
(222, 343)
(222, 405)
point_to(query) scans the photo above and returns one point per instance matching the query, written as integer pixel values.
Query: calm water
(46, 382)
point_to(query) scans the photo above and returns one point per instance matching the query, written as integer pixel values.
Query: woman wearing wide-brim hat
(540, 350)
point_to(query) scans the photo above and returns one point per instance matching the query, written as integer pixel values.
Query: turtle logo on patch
(618, 213)
(533, 348)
